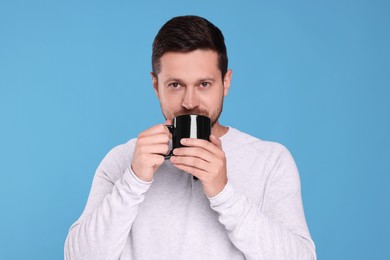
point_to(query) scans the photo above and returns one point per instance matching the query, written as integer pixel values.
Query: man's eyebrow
(169, 80)
(207, 79)
(173, 80)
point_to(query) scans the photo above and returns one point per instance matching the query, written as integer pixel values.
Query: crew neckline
(228, 138)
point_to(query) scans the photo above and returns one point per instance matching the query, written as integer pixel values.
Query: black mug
(188, 126)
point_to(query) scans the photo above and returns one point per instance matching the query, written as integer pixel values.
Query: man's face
(191, 83)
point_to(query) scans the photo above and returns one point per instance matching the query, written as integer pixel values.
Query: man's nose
(190, 99)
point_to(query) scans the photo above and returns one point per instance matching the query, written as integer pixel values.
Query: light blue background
(313, 75)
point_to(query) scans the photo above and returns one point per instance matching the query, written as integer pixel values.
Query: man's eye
(174, 85)
(205, 84)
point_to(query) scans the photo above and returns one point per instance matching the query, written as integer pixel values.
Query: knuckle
(221, 154)
(140, 139)
(179, 159)
(220, 165)
(196, 152)
(141, 135)
(196, 161)
(221, 161)
(192, 161)
(162, 128)
(160, 160)
(166, 138)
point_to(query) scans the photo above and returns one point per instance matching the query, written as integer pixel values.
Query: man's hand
(150, 148)
(204, 160)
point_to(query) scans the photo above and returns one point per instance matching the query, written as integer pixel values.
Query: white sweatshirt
(258, 215)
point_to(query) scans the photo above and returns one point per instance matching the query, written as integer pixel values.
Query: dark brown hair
(186, 34)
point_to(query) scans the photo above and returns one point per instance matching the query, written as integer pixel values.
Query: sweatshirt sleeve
(276, 230)
(102, 230)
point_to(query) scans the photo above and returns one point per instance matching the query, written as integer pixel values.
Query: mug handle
(167, 156)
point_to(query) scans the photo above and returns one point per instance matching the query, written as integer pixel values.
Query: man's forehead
(203, 63)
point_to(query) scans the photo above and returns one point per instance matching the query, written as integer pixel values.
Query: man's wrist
(142, 179)
(139, 179)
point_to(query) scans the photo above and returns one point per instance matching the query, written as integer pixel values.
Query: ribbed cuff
(136, 185)
(223, 196)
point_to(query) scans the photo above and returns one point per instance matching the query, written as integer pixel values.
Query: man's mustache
(195, 111)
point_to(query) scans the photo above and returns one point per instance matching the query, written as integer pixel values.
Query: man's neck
(219, 130)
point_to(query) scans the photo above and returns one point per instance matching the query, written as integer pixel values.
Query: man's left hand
(204, 160)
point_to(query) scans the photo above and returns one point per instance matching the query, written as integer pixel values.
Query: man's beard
(214, 116)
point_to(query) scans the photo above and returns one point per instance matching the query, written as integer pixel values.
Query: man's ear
(226, 82)
(154, 82)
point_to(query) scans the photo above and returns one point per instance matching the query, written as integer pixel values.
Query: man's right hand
(150, 148)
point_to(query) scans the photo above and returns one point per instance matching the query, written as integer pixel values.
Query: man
(246, 203)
